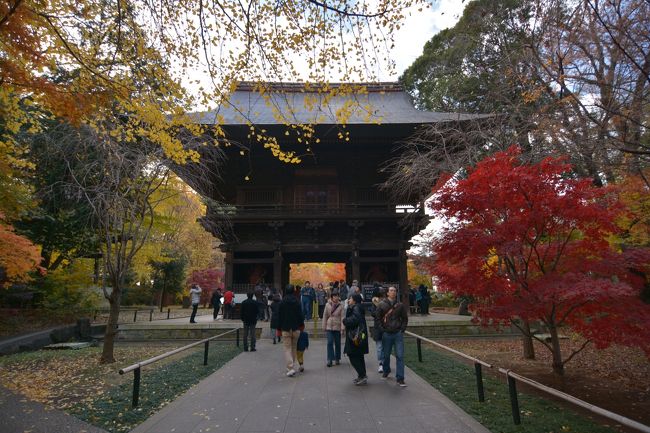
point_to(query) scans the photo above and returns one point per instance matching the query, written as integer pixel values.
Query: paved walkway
(252, 394)
(19, 414)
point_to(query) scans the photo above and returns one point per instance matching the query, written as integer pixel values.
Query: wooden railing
(512, 387)
(136, 368)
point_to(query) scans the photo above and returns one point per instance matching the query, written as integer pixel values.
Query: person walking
(291, 321)
(307, 296)
(356, 338)
(426, 299)
(332, 325)
(301, 346)
(377, 333)
(228, 299)
(275, 318)
(215, 301)
(195, 296)
(248, 314)
(393, 318)
(321, 299)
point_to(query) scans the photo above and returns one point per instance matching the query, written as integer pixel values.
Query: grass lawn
(457, 381)
(73, 380)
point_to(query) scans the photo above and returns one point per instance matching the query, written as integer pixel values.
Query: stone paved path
(252, 394)
(19, 414)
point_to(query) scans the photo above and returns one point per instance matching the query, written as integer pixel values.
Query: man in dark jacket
(290, 322)
(393, 319)
(249, 317)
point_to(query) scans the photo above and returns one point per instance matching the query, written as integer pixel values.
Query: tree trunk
(111, 327)
(558, 365)
(527, 340)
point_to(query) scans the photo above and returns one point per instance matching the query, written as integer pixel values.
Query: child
(303, 344)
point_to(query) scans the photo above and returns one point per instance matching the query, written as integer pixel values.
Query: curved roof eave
(248, 107)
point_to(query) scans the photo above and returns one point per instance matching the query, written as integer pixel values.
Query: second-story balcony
(308, 211)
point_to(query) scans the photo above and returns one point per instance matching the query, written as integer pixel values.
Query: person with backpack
(332, 325)
(393, 319)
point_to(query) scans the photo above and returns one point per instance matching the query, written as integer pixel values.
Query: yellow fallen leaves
(62, 379)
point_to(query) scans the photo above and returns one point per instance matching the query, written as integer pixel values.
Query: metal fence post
(168, 311)
(205, 353)
(514, 402)
(237, 337)
(419, 344)
(136, 387)
(135, 315)
(479, 381)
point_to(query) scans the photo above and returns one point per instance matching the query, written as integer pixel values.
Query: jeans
(249, 329)
(215, 312)
(333, 346)
(380, 352)
(388, 340)
(306, 308)
(227, 311)
(193, 316)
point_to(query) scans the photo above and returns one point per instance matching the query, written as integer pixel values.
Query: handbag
(357, 336)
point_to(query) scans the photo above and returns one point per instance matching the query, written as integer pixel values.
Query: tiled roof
(298, 103)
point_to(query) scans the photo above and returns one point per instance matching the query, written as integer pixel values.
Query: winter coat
(195, 293)
(321, 297)
(398, 319)
(248, 311)
(333, 321)
(355, 319)
(376, 326)
(216, 299)
(290, 317)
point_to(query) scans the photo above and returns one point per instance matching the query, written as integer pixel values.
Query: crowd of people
(341, 311)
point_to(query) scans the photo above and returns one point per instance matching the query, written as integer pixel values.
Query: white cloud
(418, 28)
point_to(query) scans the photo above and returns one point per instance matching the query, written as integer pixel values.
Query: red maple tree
(209, 280)
(530, 244)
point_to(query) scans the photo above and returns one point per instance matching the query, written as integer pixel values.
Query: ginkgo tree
(85, 60)
(530, 242)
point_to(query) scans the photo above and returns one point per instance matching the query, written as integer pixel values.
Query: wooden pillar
(277, 269)
(356, 269)
(229, 269)
(285, 274)
(403, 276)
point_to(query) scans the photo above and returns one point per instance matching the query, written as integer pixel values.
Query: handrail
(478, 364)
(571, 399)
(442, 346)
(137, 366)
(512, 385)
(170, 353)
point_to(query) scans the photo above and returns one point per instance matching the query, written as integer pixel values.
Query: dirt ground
(616, 378)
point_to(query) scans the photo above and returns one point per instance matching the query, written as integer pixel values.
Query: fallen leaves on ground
(62, 379)
(616, 378)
